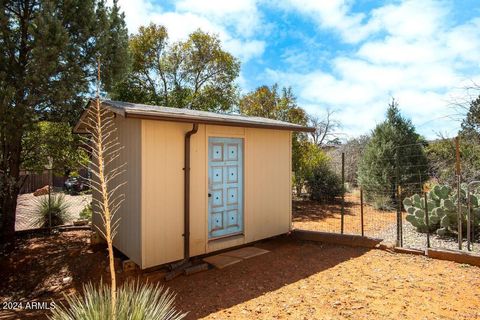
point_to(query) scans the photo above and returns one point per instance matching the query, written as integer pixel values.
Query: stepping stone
(245, 253)
(221, 261)
(226, 259)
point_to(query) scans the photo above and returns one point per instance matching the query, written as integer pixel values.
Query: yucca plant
(134, 301)
(54, 207)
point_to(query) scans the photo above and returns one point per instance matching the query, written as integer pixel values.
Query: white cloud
(242, 15)
(412, 19)
(409, 50)
(412, 50)
(334, 15)
(137, 13)
(235, 22)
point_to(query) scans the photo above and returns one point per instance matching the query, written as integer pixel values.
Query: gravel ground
(27, 203)
(309, 215)
(414, 239)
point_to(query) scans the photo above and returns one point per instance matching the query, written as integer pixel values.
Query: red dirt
(311, 215)
(296, 280)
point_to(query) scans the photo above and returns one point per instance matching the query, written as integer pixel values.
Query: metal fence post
(343, 194)
(427, 220)
(50, 185)
(469, 217)
(397, 192)
(361, 210)
(459, 199)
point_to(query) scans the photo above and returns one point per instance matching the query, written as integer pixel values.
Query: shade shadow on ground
(41, 264)
(289, 261)
(326, 217)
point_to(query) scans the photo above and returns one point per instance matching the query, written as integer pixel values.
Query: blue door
(225, 187)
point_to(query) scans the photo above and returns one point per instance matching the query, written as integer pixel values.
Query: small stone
(129, 265)
(67, 280)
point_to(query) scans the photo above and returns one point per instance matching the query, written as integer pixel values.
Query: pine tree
(393, 156)
(471, 123)
(47, 67)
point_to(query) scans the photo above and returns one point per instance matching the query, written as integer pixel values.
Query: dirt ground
(296, 280)
(310, 215)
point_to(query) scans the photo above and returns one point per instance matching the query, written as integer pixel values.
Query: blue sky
(346, 56)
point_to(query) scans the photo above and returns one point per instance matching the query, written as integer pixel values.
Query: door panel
(225, 187)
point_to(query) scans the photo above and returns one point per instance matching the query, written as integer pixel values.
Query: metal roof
(144, 111)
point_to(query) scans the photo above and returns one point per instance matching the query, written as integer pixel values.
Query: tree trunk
(9, 206)
(10, 186)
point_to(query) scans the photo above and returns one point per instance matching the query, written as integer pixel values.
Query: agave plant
(54, 208)
(134, 301)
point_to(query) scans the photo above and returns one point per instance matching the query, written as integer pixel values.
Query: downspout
(186, 193)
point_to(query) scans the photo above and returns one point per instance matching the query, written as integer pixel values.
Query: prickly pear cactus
(442, 204)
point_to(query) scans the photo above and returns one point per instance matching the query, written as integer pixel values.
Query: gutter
(186, 194)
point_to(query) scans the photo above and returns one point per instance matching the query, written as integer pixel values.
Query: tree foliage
(309, 156)
(471, 123)
(46, 69)
(196, 73)
(442, 152)
(53, 140)
(394, 154)
(267, 102)
(442, 159)
(324, 183)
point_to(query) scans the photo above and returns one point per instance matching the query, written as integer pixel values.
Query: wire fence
(46, 201)
(409, 208)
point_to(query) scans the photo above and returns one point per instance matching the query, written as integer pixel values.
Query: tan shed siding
(290, 179)
(198, 192)
(267, 183)
(162, 185)
(267, 188)
(128, 237)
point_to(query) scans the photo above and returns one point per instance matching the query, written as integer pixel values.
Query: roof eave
(202, 120)
(79, 127)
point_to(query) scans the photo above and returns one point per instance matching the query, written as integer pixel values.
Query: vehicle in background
(75, 185)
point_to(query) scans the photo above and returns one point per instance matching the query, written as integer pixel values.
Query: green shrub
(324, 184)
(56, 208)
(87, 212)
(381, 201)
(74, 174)
(135, 301)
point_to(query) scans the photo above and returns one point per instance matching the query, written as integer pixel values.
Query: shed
(198, 182)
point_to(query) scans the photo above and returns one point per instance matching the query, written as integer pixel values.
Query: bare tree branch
(325, 129)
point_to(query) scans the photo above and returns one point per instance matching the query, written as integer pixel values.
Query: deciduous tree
(53, 140)
(325, 129)
(196, 73)
(267, 102)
